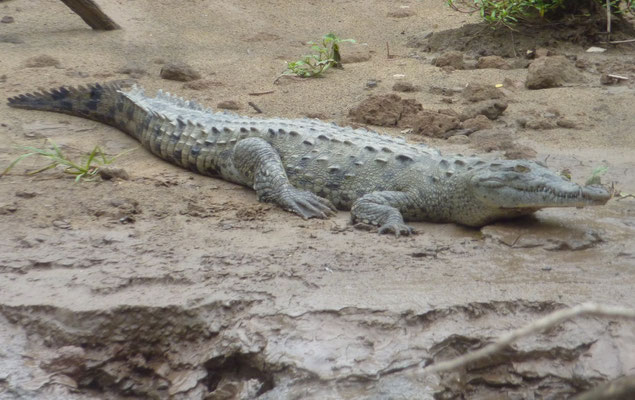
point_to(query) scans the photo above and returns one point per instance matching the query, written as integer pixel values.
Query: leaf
(17, 160)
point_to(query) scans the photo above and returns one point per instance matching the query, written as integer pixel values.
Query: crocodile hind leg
(382, 209)
(261, 168)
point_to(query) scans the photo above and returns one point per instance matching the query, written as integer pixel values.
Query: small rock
(108, 173)
(495, 62)
(492, 109)
(40, 61)
(371, 84)
(477, 123)
(7, 19)
(24, 194)
(434, 124)
(451, 58)
(229, 105)
(3, 78)
(384, 110)
(459, 139)
(540, 124)
(61, 224)
(401, 13)
(474, 92)
(6, 209)
(179, 72)
(591, 49)
(520, 152)
(566, 123)
(549, 72)
(404, 87)
(351, 53)
(127, 219)
(201, 84)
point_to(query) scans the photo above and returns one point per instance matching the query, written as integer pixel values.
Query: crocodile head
(509, 188)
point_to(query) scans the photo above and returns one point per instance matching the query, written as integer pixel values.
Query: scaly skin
(311, 168)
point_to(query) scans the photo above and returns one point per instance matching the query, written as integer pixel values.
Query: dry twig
(255, 107)
(261, 93)
(622, 41)
(546, 322)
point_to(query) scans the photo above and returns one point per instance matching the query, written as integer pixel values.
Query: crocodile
(313, 168)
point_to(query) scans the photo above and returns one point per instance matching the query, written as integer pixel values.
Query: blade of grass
(17, 160)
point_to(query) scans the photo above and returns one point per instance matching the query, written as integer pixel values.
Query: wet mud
(172, 285)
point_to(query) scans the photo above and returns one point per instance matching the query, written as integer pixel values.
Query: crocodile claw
(306, 204)
(397, 228)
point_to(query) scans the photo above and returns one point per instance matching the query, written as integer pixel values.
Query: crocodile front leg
(382, 209)
(261, 168)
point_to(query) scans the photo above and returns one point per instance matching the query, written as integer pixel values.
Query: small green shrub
(326, 55)
(87, 168)
(510, 12)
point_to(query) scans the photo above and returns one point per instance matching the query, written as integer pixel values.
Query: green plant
(326, 55)
(87, 169)
(510, 12)
(596, 175)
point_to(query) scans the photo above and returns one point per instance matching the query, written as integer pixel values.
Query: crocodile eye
(521, 168)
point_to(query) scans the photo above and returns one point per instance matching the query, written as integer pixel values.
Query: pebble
(404, 87)
(179, 72)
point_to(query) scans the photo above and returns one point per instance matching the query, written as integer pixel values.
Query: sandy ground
(173, 284)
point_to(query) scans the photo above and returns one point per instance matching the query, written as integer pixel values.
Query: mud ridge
(225, 349)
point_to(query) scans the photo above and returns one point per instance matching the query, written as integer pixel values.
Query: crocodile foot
(306, 204)
(398, 228)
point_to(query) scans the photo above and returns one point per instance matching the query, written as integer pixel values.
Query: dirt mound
(481, 39)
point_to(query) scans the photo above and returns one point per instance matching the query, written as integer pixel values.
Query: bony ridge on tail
(312, 168)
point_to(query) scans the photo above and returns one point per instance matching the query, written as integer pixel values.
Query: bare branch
(546, 322)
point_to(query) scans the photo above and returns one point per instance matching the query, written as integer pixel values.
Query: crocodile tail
(100, 102)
